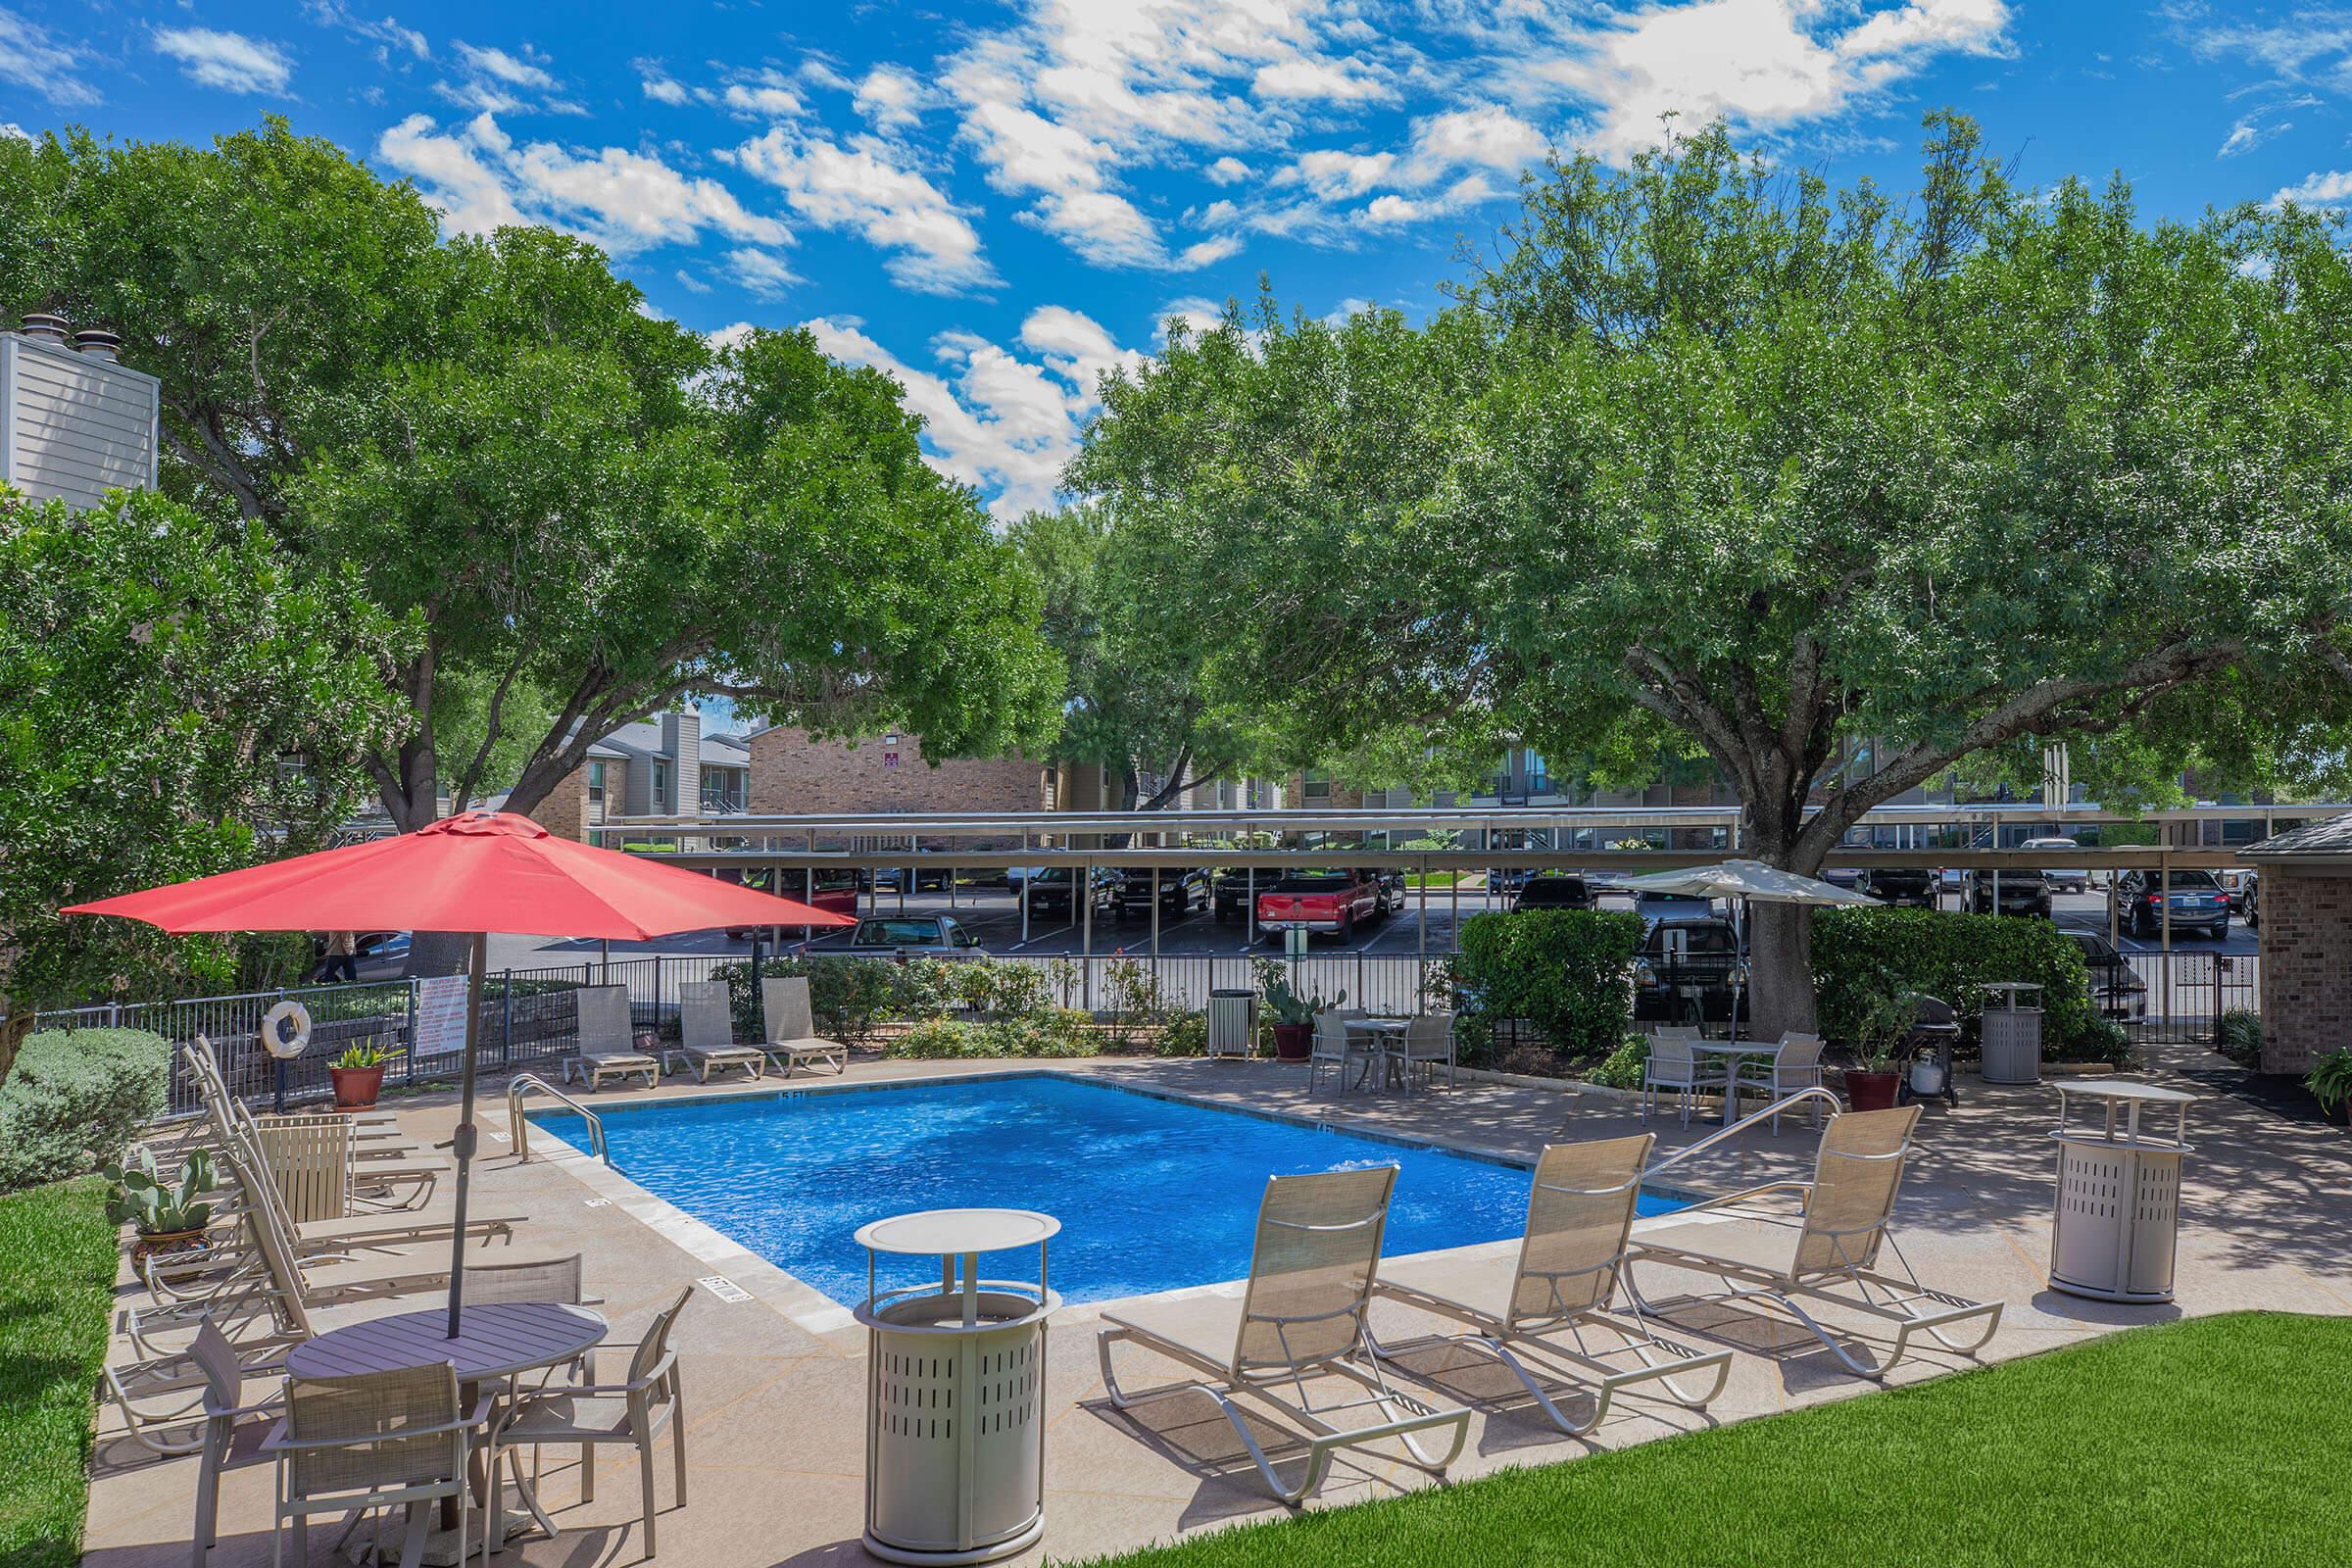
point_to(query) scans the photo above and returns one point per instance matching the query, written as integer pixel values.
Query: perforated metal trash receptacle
(1232, 1023)
(955, 1385)
(2118, 1220)
(2010, 1035)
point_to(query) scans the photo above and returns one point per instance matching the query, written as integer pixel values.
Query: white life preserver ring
(284, 1043)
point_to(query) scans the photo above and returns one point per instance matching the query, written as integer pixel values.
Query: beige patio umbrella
(1749, 881)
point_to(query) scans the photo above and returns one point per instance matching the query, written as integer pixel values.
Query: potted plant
(1294, 1016)
(171, 1221)
(1879, 1030)
(359, 1075)
(2330, 1084)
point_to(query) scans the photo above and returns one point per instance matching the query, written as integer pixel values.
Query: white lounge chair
(1579, 1210)
(792, 1037)
(707, 1034)
(1829, 1253)
(1300, 1319)
(607, 1047)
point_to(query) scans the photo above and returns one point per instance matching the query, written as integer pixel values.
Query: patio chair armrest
(278, 1442)
(1744, 1194)
(562, 1391)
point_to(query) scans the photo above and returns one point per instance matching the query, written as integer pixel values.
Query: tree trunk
(1780, 969)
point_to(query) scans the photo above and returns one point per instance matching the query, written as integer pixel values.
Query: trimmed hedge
(850, 998)
(1047, 1034)
(1858, 953)
(76, 1097)
(1568, 972)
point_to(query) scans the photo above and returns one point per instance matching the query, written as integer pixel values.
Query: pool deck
(774, 1383)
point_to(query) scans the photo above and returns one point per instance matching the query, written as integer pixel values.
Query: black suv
(1051, 888)
(1553, 889)
(1181, 888)
(1899, 884)
(2198, 903)
(2020, 893)
(1690, 966)
(2116, 991)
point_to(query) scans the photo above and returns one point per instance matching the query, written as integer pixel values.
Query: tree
(591, 515)
(177, 703)
(1836, 493)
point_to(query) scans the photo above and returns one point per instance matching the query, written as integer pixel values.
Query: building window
(1538, 776)
(1314, 787)
(596, 792)
(722, 790)
(660, 800)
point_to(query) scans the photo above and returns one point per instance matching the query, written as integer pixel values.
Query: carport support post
(1421, 937)
(1454, 905)
(1082, 892)
(1155, 922)
(2164, 902)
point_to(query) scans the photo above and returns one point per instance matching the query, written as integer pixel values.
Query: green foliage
(1286, 1005)
(1861, 957)
(179, 702)
(137, 1196)
(1876, 1024)
(76, 1099)
(1184, 1035)
(361, 1056)
(2330, 1082)
(1622, 1067)
(1567, 972)
(2239, 1036)
(849, 998)
(57, 1275)
(1053, 1033)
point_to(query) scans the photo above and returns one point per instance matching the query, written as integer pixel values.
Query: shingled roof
(2330, 839)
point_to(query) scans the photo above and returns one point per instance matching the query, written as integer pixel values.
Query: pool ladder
(522, 1083)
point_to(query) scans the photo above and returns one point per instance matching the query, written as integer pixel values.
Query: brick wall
(2306, 968)
(790, 774)
(564, 811)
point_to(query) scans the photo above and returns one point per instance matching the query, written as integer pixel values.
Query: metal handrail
(1778, 1107)
(520, 1124)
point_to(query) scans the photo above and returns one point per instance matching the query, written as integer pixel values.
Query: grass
(57, 1273)
(2211, 1442)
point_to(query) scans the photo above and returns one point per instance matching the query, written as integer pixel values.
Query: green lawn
(57, 1273)
(2219, 1441)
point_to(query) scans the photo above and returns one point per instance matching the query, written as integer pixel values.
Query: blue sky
(997, 201)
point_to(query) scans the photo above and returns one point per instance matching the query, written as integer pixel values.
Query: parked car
(2196, 900)
(1050, 890)
(1506, 879)
(2115, 989)
(836, 891)
(2020, 893)
(886, 878)
(2253, 911)
(912, 936)
(1671, 908)
(1391, 886)
(2060, 879)
(2238, 886)
(1899, 884)
(1328, 903)
(1687, 965)
(1236, 888)
(1181, 888)
(1948, 879)
(1843, 877)
(1553, 890)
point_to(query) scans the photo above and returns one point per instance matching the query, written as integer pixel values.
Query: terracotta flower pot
(184, 1249)
(356, 1088)
(1294, 1041)
(1871, 1091)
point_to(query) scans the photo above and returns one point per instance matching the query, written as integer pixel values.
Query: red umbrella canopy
(482, 871)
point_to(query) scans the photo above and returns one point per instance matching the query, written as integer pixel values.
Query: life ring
(276, 1039)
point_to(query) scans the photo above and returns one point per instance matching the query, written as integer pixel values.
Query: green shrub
(1053, 1032)
(1184, 1035)
(1859, 955)
(1568, 972)
(1623, 1067)
(2239, 1036)
(76, 1099)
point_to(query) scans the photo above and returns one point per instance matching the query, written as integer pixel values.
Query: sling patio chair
(1673, 1064)
(1579, 1210)
(792, 1037)
(372, 1440)
(1300, 1319)
(1428, 1044)
(319, 1175)
(607, 1049)
(707, 1034)
(1829, 1253)
(1795, 1066)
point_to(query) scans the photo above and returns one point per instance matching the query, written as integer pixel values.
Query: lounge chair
(1579, 1210)
(1300, 1318)
(792, 1037)
(607, 1047)
(321, 1176)
(1829, 1253)
(707, 1034)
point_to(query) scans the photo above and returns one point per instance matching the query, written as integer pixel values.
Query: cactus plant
(140, 1197)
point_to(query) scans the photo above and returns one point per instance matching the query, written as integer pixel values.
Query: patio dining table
(1383, 1040)
(1732, 1054)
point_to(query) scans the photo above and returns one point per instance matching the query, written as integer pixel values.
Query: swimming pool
(1152, 1194)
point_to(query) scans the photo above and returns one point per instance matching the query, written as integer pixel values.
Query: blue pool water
(1151, 1193)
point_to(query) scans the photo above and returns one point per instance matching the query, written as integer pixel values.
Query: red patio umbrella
(481, 873)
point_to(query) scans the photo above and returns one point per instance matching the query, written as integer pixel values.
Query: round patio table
(1377, 1034)
(1732, 1050)
(495, 1339)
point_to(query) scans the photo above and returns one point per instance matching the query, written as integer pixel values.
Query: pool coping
(811, 1309)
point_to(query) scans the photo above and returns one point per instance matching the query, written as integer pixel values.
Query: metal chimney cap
(47, 326)
(98, 343)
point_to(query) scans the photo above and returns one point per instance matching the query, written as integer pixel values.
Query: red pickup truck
(836, 891)
(1330, 901)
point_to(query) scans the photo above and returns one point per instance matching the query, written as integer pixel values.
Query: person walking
(342, 962)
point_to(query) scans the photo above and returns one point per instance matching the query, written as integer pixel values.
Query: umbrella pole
(465, 1134)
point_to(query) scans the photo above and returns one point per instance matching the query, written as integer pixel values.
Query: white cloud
(385, 32)
(863, 187)
(765, 98)
(1207, 252)
(761, 273)
(1328, 79)
(493, 81)
(1760, 64)
(624, 201)
(229, 60)
(1227, 171)
(32, 58)
(2316, 190)
(500, 66)
(992, 418)
(893, 98)
(1195, 313)
(660, 85)
(734, 332)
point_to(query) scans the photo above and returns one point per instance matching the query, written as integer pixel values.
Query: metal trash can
(1233, 1023)
(956, 1391)
(2118, 1219)
(2010, 1034)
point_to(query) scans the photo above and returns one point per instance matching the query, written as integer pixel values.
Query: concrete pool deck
(775, 1382)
